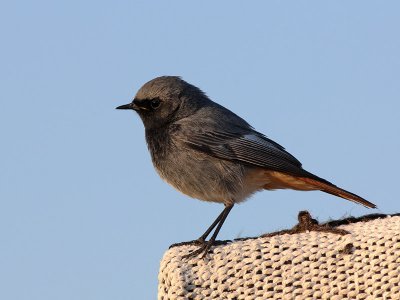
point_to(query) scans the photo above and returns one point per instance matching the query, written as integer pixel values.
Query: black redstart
(207, 152)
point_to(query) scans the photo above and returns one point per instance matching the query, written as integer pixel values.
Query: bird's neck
(159, 141)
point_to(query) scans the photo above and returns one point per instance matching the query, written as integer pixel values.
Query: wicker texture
(312, 265)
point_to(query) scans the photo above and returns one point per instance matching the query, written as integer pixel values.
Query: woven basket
(364, 264)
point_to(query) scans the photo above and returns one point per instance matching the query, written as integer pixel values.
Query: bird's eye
(155, 103)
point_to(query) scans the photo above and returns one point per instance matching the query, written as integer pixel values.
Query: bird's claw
(204, 248)
(197, 242)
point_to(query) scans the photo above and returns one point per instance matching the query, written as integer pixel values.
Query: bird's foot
(204, 246)
(197, 242)
(203, 249)
(307, 223)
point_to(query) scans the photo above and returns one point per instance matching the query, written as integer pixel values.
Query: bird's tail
(306, 181)
(330, 188)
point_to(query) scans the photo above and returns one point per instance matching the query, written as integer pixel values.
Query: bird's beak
(128, 106)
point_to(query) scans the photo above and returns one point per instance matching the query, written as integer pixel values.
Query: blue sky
(83, 215)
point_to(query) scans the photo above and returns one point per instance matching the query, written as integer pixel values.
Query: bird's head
(164, 100)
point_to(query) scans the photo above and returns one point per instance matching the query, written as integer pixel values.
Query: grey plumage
(207, 152)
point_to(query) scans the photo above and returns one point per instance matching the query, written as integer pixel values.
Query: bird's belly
(204, 178)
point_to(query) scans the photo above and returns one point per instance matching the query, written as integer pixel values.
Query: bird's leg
(206, 245)
(201, 240)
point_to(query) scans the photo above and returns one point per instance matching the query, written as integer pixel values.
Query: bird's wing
(251, 148)
(254, 149)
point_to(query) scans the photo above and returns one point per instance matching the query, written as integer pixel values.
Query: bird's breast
(194, 173)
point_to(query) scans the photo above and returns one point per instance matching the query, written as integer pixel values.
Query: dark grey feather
(252, 148)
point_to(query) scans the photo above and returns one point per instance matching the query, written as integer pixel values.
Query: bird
(209, 153)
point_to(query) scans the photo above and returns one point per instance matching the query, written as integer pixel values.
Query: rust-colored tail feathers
(306, 181)
(330, 188)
